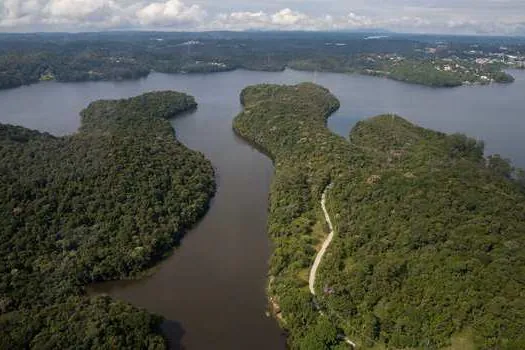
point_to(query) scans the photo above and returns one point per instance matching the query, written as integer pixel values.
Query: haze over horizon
(488, 17)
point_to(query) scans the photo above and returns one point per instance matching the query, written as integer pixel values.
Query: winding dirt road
(326, 243)
(320, 254)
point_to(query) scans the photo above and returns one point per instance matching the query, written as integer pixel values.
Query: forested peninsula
(105, 203)
(429, 236)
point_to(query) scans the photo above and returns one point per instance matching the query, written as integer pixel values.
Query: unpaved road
(326, 243)
(320, 254)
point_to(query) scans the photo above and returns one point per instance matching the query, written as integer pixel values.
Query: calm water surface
(212, 288)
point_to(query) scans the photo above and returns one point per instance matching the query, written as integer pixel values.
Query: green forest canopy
(105, 203)
(430, 235)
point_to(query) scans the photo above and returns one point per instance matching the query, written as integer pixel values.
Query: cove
(212, 289)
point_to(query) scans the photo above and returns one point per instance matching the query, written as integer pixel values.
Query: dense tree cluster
(105, 203)
(288, 123)
(429, 242)
(82, 323)
(421, 71)
(18, 69)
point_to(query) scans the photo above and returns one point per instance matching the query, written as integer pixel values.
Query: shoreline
(383, 76)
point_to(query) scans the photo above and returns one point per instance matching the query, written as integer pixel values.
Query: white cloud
(16, 12)
(241, 20)
(96, 13)
(99, 14)
(288, 17)
(358, 21)
(285, 19)
(74, 9)
(449, 16)
(171, 12)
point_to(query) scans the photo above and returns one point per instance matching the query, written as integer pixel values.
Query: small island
(428, 244)
(105, 203)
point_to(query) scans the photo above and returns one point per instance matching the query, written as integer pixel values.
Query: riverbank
(213, 286)
(239, 211)
(294, 200)
(417, 73)
(389, 170)
(69, 220)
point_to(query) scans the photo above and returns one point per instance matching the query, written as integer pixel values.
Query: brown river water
(211, 289)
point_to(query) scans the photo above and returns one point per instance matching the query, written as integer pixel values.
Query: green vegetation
(27, 58)
(429, 243)
(18, 69)
(82, 323)
(105, 203)
(502, 77)
(427, 72)
(288, 122)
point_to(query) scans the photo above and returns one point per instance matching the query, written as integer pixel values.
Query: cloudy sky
(426, 16)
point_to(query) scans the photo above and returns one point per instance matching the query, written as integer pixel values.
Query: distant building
(482, 61)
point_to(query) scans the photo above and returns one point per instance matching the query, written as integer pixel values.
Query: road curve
(326, 243)
(320, 254)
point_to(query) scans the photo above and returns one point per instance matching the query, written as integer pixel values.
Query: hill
(105, 203)
(429, 235)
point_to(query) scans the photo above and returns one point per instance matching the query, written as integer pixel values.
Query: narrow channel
(212, 289)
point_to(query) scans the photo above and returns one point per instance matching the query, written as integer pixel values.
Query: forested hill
(289, 123)
(429, 235)
(105, 203)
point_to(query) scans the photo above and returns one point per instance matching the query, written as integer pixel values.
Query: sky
(492, 17)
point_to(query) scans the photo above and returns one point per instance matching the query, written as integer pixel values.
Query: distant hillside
(73, 57)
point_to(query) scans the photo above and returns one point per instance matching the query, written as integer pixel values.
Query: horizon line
(280, 31)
